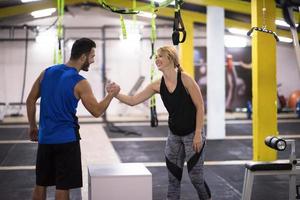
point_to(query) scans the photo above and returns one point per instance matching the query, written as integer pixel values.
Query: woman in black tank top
(186, 139)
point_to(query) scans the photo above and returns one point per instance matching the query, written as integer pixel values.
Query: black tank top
(181, 109)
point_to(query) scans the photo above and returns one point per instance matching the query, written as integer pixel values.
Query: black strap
(153, 113)
(178, 26)
(264, 30)
(287, 11)
(119, 11)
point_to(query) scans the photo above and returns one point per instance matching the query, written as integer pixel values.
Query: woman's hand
(197, 142)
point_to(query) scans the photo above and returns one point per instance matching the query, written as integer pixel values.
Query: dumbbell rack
(274, 168)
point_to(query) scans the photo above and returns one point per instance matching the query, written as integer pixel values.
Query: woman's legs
(195, 163)
(174, 153)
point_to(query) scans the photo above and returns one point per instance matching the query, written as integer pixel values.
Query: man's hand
(33, 134)
(113, 88)
(197, 142)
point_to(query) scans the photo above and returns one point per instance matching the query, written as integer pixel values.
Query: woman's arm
(142, 96)
(194, 90)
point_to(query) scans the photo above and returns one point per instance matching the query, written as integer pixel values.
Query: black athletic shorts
(60, 165)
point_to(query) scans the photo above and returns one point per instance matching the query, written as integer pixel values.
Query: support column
(215, 73)
(186, 51)
(264, 87)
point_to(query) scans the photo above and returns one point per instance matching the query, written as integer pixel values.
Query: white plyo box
(126, 181)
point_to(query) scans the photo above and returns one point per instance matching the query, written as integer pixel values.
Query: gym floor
(224, 159)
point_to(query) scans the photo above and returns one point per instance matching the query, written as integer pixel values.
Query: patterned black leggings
(178, 149)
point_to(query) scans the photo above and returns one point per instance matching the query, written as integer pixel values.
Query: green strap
(153, 25)
(58, 59)
(134, 16)
(124, 33)
(133, 10)
(54, 56)
(154, 121)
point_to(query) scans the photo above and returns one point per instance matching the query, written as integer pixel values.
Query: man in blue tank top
(60, 88)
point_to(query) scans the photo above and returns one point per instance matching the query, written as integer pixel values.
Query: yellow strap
(124, 33)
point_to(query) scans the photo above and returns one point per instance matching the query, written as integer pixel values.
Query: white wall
(124, 62)
(288, 74)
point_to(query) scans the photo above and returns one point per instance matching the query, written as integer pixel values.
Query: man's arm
(31, 109)
(84, 92)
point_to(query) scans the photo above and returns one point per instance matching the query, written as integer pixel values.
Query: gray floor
(17, 184)
(225, 181)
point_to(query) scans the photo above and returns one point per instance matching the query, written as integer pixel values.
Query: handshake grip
(276, 143)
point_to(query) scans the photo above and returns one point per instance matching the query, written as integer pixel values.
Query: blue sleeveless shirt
(58, 121)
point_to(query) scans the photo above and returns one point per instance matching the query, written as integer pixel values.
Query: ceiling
(24, 18)
(12, 12)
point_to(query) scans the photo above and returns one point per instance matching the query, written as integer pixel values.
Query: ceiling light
(43, 13)
(47, 37)
(235, 41)
(160, 1)
(285, 39)
(282, 23)
(27, 1)
(238, 31)
(146, 14)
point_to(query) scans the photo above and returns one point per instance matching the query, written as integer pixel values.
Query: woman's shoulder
(156, 85)
(185, 77)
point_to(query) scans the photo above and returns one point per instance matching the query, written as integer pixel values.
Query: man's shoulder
(53, 67)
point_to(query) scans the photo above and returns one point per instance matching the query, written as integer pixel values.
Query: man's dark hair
(82, 46)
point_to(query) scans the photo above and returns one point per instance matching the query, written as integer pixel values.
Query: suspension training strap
(153, 113)
(124, 33)
(134, 16)
(60, 15)
(288, 13)
(178, 25)
(131, 11)
(115, 9)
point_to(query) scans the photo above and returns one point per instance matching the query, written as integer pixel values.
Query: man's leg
(62, 195)
(39, 193)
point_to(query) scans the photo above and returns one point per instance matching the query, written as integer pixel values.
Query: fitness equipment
(275, 143)
(288, 14)
(178, 26)
(134, 10)
(18, 105)
(264, 27)
(264, 30)
(249, 109)
(58, 57)
(293, 99)
(298, 109)
(111, 127)
(133, 91)
(290, 168)
(2, 110)
(281, 102)
(153, 113)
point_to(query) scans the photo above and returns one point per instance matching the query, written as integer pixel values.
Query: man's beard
(85, 66)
